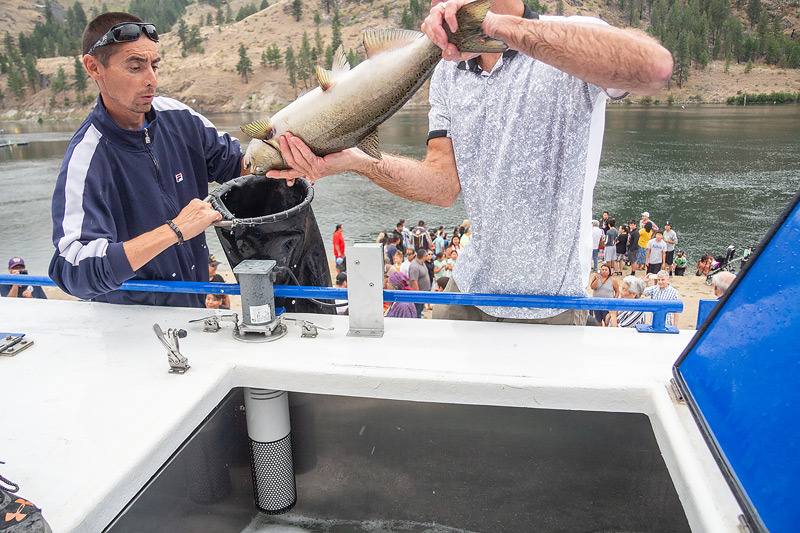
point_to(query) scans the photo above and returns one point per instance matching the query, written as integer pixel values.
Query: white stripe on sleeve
(69, 245)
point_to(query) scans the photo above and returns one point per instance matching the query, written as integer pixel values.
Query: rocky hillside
(209, 82)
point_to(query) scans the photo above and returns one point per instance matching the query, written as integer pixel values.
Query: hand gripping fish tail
(349, 104)
(469, 37)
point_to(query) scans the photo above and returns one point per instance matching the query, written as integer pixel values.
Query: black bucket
(270, 220)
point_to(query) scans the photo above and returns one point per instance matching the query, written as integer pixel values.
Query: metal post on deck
(365, 290)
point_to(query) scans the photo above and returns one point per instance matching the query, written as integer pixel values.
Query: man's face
(16, 269)
(667, 227)
(129, 82)
(659, 237)
(632, 226)
(212, 269)
(410, 256)
(662, 283)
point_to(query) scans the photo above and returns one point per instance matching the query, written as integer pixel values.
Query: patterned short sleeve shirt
(527, 140)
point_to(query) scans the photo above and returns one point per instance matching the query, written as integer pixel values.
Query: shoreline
(41, 115)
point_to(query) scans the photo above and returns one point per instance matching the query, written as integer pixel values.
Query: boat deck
(91, 412)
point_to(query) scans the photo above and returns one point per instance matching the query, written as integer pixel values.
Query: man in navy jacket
(127, 200)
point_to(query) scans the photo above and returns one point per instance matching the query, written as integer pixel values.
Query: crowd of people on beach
(423, 258)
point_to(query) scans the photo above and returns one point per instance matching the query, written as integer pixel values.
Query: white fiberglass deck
(90, 411)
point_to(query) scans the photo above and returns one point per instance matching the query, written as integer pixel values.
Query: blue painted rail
(659, 308)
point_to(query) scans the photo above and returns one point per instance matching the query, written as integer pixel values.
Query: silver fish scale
(521, 137)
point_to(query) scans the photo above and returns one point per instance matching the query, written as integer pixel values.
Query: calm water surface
(720, 174)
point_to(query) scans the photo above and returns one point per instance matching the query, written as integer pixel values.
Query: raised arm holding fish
(520, 135)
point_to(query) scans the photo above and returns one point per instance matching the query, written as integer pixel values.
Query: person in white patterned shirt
(519, 135)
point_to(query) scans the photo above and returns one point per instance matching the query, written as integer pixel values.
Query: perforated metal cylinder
(270, 450)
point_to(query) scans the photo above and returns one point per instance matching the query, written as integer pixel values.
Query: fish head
(263, 156)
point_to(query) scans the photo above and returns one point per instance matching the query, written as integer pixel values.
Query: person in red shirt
(338, 249)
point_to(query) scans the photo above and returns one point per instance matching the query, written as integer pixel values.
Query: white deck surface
(90, 412)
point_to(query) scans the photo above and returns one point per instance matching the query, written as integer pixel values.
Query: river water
(720, 174)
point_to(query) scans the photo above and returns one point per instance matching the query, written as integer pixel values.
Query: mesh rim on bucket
(218, 204)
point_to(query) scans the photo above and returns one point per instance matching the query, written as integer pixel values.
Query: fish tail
(469, 37)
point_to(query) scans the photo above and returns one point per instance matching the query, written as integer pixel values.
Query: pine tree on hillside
(59, 83)
(244, 66)
(80, 77)
(353, 58)
(31, 74)
(305, 63)
(319, 44)
(753, 11)
(16, 81)
(274, 56)
(405, 20)
(183, 30)
(336, 27)
(297, 9)
(291, 65)
(682, 59)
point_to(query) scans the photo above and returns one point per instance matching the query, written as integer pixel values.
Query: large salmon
(347, 107)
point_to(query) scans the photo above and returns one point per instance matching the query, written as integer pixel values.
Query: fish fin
(340, 63)
(259, 129)
(377, 41)
(325, 78)
(469, 37)
(370, 145)
(302, 93)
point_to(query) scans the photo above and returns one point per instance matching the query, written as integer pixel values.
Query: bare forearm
(140, 250)
(433, 181)
(193, 219)
(596, 53)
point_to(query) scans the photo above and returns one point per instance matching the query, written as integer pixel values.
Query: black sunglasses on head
(125, 33)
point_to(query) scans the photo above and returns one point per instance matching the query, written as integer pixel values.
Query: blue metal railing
(659, 308)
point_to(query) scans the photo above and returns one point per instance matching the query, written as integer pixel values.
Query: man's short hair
(596, 223)
(422, 253)
(421, 223)
(97, 28)
(611, 222)
(341, 277)
(662, 274)
(338, 227)
(722, 281)
(661, 232)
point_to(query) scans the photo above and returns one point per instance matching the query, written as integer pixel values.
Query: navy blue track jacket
(116, 184)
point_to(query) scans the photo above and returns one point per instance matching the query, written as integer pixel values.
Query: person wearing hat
(671, 238)
(646, 219)
(212, 270)
(217, 278)
(17, 266)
